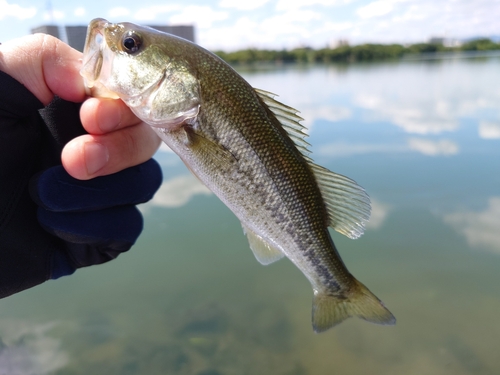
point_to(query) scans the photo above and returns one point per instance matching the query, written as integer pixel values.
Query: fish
(248, 148)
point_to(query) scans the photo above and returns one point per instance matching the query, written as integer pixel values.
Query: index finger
(45, 65)
(104, 115)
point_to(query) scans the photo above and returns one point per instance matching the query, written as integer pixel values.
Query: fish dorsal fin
(347, 203)
(264, 252)
(289, 119)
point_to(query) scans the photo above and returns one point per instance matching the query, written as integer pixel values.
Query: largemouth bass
(245, 146)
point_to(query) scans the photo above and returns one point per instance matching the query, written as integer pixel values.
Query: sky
(236, 24)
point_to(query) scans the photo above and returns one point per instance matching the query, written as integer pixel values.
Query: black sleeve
(31, 140)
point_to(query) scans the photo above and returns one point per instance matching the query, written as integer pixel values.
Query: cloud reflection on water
(177, 191)
(479, 228)
(28, 349)
(343, 149)
(379, 214)
(331, 113)
(489, 130)
(426, 147)
(422, 98)
(415, 115)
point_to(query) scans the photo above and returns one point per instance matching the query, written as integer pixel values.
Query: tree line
(346, 53)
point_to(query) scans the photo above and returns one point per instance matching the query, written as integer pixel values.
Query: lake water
(422, 137)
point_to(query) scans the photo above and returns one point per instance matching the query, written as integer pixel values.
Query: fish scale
(248, 148)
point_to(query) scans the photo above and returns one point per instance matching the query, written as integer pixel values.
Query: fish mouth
(97, 60)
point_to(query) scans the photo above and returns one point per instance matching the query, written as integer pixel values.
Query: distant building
(336, 43)
(183, 31)
(436, 40)
(47, 29)
(447, 42)
(75, 35)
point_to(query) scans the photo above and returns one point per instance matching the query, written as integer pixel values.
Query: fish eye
(131, 42)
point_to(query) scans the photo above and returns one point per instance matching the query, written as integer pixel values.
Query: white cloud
(297, 4)
(16, 11)
(413, 13)
(285, 22)
(178, 191)
(243, 33)
(417, 20)
(152, 12)
(480, 228)
(280, 30)
(430, 148)
(202, 16)
(80, 12)
(291, 28)
(242, 5)
(118, 12)
(53, 15)
(337, 26)
(383, 21)
(489, 130)
(397, 21)
(376, 9)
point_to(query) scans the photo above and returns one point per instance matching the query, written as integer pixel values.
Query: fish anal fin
(328, 311)
(347, 203)
(264, 252)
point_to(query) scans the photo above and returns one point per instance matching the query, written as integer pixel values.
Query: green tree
(483, 44)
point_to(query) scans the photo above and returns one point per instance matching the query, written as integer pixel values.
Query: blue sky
(235, 24)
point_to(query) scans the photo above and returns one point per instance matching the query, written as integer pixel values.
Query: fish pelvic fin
(328, 311)
(264, 252)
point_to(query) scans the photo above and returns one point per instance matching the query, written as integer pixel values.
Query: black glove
(65, 223)
(97, 218)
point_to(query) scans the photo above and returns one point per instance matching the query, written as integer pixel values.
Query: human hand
(117, 139)
(97, 219)
(85, 220)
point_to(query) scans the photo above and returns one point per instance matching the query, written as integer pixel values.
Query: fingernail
(96, 157)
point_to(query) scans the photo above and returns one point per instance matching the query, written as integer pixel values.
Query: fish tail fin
(329, 311)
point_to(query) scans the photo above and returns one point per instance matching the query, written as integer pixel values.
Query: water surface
(422, 137)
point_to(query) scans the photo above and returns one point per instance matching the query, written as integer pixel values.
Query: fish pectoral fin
(205, 147)
(264, 252)
(347, 203)
(329, 311)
